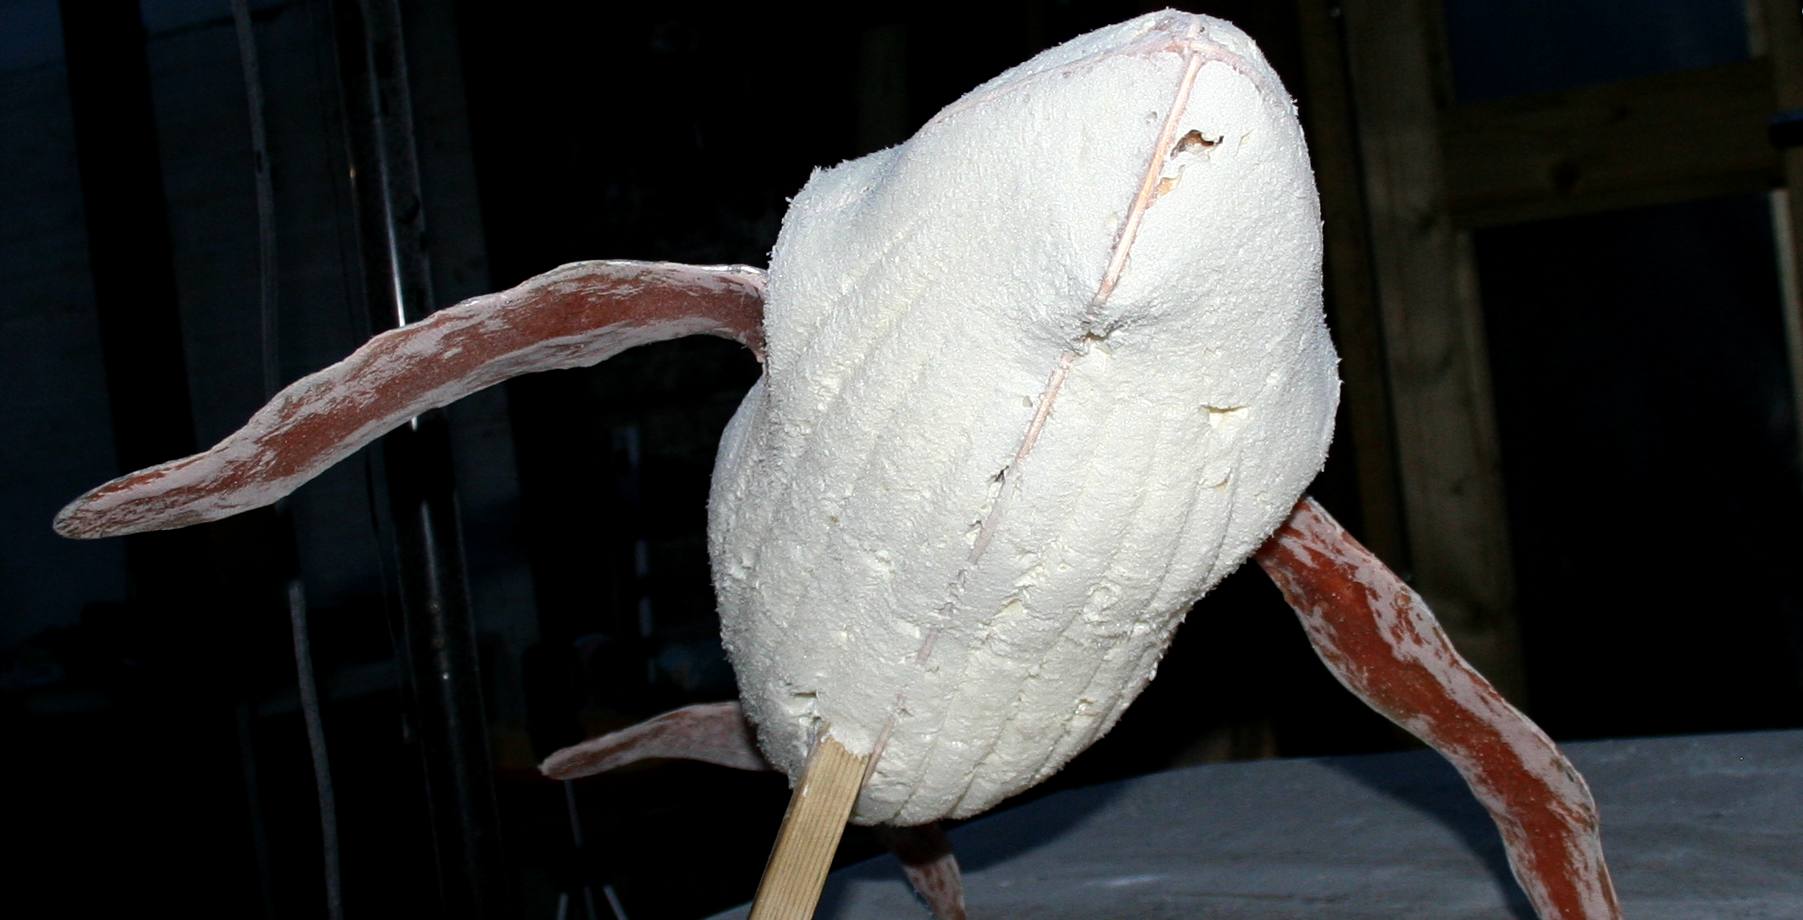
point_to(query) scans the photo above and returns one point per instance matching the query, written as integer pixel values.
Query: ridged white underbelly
(1035, 381)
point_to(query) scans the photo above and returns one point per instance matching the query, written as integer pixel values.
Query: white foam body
(980, 482)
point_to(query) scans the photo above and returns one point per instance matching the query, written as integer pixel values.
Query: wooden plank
(1446, 441)
(1351, 291)
(1670, 137)
(1783, 39)
(823, 799)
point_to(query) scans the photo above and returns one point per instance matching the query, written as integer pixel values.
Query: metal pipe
(440, 638)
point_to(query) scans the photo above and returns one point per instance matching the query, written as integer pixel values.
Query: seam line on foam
(1194, 58)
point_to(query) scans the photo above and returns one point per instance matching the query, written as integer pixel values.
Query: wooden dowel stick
(810, 832)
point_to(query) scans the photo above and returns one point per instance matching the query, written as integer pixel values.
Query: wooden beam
(1351, 291)
(1652, 140)
(1448, 458)
(1783, 40)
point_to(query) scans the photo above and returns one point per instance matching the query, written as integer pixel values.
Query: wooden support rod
(810, 832)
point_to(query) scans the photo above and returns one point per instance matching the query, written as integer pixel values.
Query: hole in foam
(1193, 143)
(1218, 416)
(1194, 140)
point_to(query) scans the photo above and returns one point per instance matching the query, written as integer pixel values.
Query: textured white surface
(1036, 379)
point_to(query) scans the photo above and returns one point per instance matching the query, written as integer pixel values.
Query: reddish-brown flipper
(1381, 641)
(714, 733)
(927, 860)
(572, 316)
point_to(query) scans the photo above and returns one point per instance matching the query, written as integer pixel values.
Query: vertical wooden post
(1351, 291)
(1782, 35)
(1446, 440)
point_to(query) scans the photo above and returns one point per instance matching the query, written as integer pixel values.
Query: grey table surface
(1695, 828)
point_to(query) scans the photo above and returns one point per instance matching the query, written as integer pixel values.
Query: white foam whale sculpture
(1034, 381)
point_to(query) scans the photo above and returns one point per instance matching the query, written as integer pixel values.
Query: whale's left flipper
(573, 316)
(715, 733)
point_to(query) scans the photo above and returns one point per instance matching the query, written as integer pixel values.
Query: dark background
(154, 749)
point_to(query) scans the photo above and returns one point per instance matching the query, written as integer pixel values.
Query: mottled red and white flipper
(711, 732)
(572, 316)
(1381, 640)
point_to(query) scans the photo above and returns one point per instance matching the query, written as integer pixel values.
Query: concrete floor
(1694, 827)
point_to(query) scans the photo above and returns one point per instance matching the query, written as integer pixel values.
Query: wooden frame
(1434, 364)
(1406, 173)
